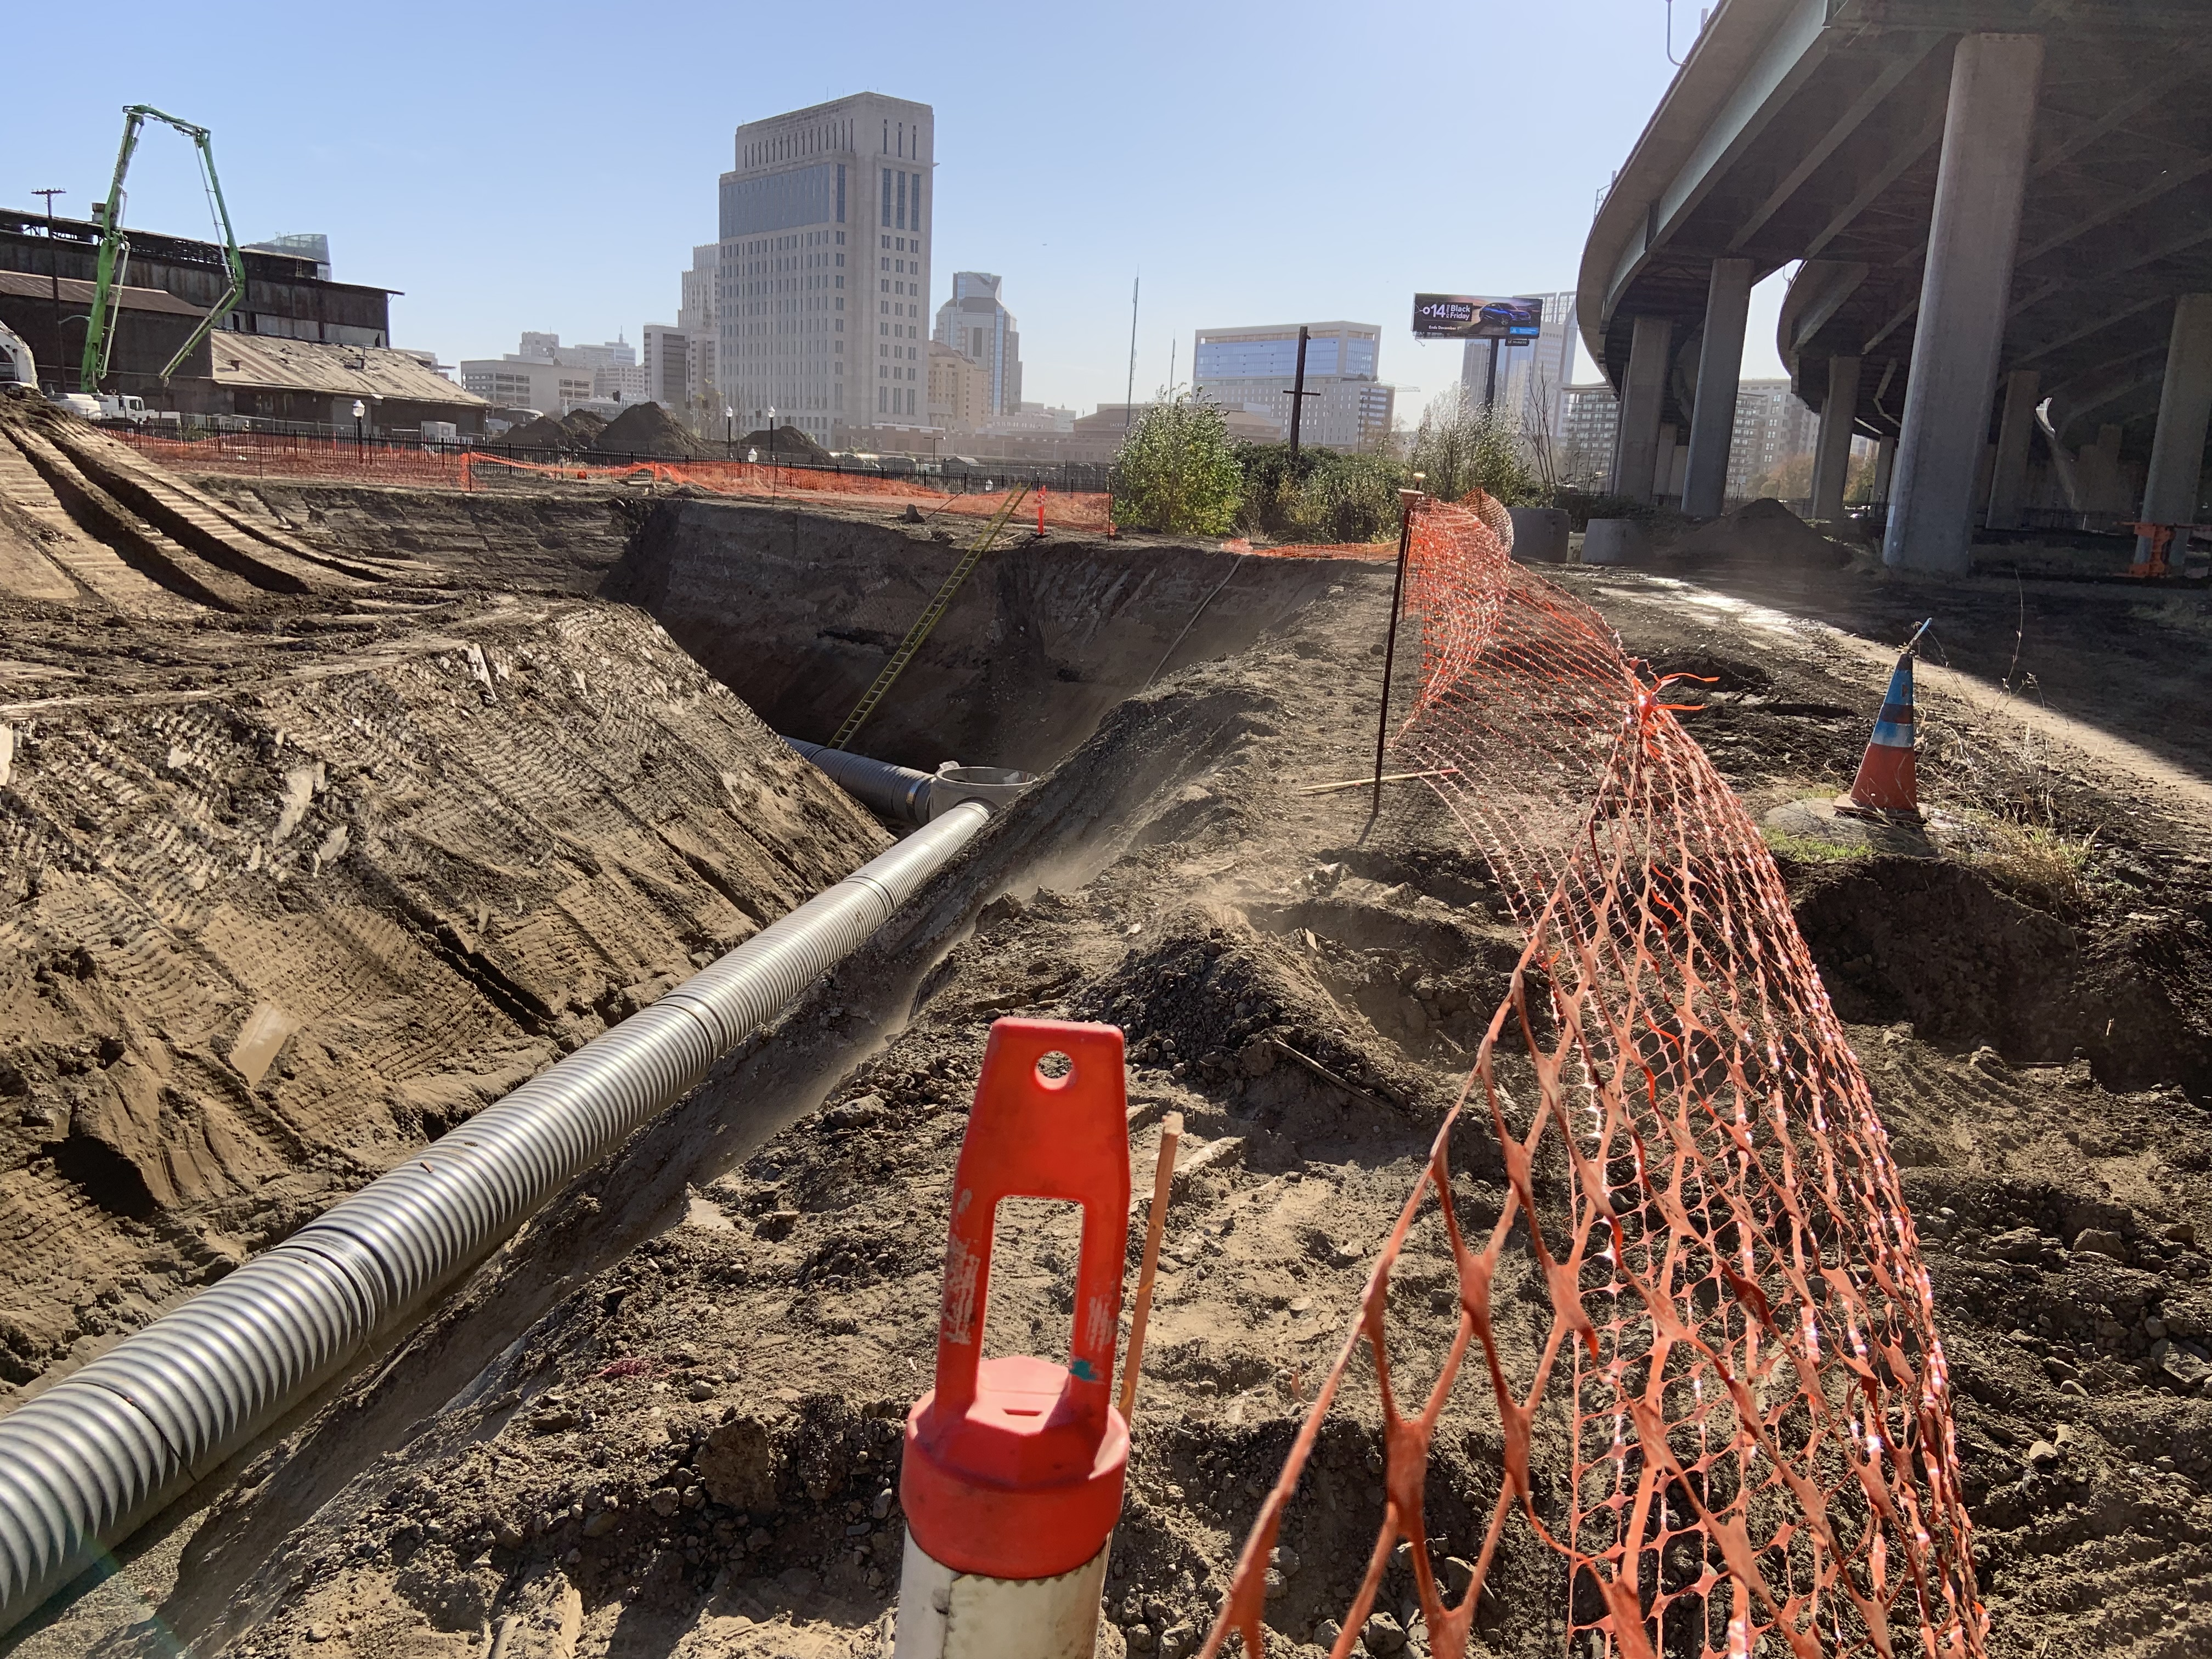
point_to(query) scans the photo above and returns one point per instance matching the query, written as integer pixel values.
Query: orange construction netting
(1759, 1445)
(262, 455)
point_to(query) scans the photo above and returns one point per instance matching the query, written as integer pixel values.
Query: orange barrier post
(1014, 1467)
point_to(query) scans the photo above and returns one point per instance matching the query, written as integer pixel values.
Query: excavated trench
(797, 612)
(794, 612)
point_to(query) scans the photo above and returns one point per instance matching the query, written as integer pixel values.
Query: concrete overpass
(1985, 195)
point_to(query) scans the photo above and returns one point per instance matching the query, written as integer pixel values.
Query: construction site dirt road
(665, 1418)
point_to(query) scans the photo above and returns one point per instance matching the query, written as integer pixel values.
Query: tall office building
(975, 323)
(1252, 369)
(1533, 376)
(823, 273)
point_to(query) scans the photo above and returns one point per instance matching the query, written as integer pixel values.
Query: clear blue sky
(550, 165)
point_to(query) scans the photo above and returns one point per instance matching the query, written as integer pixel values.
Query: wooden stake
(1163, 1180)
(1362, 783)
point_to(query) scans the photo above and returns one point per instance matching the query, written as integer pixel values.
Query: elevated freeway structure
(2000, 212)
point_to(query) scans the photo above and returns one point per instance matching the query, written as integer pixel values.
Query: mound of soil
(422, 840)
(649, 429)
(1759, 533)
(786, 445)
(544, 432)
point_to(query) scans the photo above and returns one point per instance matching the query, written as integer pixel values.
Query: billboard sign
(1476, 317)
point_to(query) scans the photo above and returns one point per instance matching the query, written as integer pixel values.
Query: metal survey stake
(1407, 500)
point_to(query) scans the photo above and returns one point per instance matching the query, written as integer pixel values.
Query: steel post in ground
(1407, 500)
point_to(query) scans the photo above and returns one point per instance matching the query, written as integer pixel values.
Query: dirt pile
(785, 445)
(649, 429)
(1760, 532)
(567, 433)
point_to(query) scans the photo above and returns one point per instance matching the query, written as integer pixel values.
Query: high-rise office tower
(975, 323)
(823, 281)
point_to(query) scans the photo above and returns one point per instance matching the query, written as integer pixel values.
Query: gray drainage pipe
(87, 1460)
(898, 792)
(906, 796)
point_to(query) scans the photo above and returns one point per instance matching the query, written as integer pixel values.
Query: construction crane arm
(115, 250)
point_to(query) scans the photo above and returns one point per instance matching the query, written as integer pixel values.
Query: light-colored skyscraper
(1252, 369)
(975, 323)
(823, 277)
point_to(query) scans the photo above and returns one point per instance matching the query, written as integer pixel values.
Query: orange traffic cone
(1885, 783)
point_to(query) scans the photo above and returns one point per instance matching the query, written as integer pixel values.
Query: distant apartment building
(1772, 427)
(1583, 447)
(667, 365)
(975, 323)
(959, 390)
(1533, 375)
(546, 375)
(824, 230)
(696, 317)
(1252, 369)
(679, 357)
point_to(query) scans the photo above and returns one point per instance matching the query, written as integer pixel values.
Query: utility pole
(1299, 396)
(1129, 409)
(54, 278)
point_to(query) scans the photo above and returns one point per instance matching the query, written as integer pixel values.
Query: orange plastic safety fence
(261, 455)
(1758, 1444)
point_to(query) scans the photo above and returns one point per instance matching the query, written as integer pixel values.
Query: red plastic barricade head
(1013, 1467)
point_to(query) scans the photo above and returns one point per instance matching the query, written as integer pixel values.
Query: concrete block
(1616, 541)
(1540, 534)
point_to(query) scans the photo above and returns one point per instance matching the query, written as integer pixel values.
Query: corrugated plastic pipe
(899, 792)
(84, 1462)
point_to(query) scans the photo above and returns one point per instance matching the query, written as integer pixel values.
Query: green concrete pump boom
(115, 251)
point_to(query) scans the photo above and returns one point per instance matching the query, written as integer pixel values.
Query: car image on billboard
(1476, 317)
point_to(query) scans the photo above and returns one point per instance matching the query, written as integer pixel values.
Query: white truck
(109, 406)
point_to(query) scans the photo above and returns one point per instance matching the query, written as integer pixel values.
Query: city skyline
(1073, 154)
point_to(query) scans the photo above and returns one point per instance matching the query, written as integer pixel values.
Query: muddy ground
(665, 1419)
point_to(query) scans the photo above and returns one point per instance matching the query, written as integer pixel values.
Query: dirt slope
(307, 852)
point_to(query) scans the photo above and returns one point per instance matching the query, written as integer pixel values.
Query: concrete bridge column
(1720, 365)
(1885, 466)
(1964, 291)
(1643, 395)
(2008, 481)
(1663, 469)
(2184, 409)
(1832, 450)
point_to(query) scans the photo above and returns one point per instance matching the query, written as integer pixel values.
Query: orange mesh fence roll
(1755, 1439)
(264, 455)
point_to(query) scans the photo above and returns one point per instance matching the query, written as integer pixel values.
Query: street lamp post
(771, 434)
(360, 433)
(729, 432)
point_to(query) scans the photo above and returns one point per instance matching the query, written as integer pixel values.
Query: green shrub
(1177, 471)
